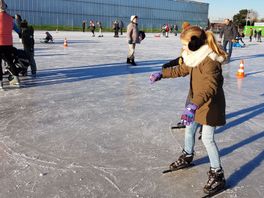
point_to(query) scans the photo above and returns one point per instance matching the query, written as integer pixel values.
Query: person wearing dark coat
(175, 29)
(116, 28)
(83, 25)
(48, 38)
(121, 25)
(255, 34)
(250, 34)
(27, 35)
(229, 32)
(259, 35)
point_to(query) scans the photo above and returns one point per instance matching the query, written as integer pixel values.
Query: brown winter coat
(206, 90)
(132, 33)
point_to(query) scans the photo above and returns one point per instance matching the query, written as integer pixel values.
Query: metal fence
(152, 13)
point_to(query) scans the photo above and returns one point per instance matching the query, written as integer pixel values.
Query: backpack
(142, 35)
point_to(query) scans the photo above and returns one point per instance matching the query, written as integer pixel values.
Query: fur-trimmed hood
(193, 59)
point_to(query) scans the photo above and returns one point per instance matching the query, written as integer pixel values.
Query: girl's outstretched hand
(155, 77)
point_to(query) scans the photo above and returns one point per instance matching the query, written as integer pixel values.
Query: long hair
(205, 37)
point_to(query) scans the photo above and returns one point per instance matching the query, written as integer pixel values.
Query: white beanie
(3, 6)
(132, 17)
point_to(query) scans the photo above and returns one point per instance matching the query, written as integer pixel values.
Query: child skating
(202, 61)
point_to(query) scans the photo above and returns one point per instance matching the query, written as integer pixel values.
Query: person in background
(259, 35)
(229, 32)
(133, 39)
(83, 25)
(27, 35)
(171, 28)
(255, 34)
(163, 30)
(18, 19)
(116, 28)
(121, 24)
(175, 29)
(6, 44)
(92, 28)
(48, 38)
(99, 24)
(250, 34)
(167, 30)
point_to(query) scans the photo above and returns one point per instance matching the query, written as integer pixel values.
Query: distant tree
(252, 16)
(245, 17)
(262, 20)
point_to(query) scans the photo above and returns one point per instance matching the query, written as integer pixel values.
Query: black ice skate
(216, 182)
(183, 162)
(133, 62)
(178, 126)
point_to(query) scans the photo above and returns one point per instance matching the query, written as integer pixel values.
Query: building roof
(191, 1)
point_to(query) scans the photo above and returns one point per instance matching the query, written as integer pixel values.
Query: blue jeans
(230, 48)
(208, 141)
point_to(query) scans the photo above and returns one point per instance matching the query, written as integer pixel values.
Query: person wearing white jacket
(133, 39)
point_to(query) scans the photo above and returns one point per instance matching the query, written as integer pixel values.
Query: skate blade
(216, 193)
(178, 127)
(173, 170)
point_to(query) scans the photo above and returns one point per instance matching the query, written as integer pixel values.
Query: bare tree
(252, 16)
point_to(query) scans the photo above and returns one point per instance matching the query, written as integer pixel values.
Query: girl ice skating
(202, 61)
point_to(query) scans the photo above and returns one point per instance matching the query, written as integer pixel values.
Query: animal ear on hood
(195, 43)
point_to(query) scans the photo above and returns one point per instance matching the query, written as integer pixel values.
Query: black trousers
(7, 53)
(1, 69)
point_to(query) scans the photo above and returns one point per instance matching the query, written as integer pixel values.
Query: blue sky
(228, 8)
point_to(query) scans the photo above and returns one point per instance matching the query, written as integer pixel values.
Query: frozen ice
(99, 129)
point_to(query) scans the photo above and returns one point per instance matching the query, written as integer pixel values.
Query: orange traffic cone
(240, 71)
(65, 42)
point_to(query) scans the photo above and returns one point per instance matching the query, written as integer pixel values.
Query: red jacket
(6, 27)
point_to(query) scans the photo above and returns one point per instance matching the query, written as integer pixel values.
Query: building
(152, 13)
(258, 23)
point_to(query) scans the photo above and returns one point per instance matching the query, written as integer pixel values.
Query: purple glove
(155, 77)
(188, 115)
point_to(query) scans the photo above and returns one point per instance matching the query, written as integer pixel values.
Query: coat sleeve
(212, 77)
(175, 62)
(174, 72)
(129, 32)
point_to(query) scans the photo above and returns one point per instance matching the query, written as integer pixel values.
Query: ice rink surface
(92, 126)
